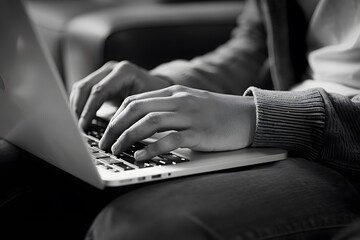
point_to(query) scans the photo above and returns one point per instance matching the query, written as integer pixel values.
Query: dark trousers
(291, 199)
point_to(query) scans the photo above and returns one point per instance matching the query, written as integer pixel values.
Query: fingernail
(140, 155)
(114, 148)
(101, 143)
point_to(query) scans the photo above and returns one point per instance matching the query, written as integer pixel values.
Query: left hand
(202, 121)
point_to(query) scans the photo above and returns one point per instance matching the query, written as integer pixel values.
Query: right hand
(114, 80)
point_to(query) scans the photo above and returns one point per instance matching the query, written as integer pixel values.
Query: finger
(148, 126)
(146, 95)
(81, 90)
(123, 74)
(100, 92)
(77, 100)
(165, 92)
(133, 113)
(172, 141)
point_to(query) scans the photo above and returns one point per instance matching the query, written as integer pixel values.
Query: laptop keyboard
(125, 161)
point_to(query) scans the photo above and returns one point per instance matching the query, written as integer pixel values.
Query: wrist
(244, 115)
(251, 113)
(164, 81)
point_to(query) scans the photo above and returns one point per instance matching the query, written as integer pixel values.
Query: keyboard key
(160, 161)
(98, 162)
(99, 155)
(123, 166)
(108, 151)
(127, 158)
(110, 160)
(143, 164)
(147, 164)
(130, 152)
(93, 144)
(106, 160)
(174, 158)
(105, 166)
(136, 163)
(135, 147)
(93, 150)
(139, 145)
(114, 170)
(99, 122)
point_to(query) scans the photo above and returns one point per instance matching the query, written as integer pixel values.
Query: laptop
(35, 116)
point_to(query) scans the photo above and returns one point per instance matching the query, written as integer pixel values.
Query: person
(225, 100)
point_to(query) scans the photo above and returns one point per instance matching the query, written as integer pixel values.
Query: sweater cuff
(294, 121)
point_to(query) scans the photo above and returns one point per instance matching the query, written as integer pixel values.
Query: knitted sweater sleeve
(232, 67)
(312, 124)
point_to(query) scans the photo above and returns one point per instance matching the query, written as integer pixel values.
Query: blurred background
(84, 34)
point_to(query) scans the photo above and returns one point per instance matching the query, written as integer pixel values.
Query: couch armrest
(136, 33)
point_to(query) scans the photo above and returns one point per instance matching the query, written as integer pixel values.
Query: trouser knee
(160, 224)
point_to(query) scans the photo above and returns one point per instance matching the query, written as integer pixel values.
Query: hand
(202, 121)
(113, 80)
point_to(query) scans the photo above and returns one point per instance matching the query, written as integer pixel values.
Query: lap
(285, 200)
(280, 200)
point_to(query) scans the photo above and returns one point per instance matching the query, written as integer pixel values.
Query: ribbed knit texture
(290, 120)
(341, 147)
(312, 124)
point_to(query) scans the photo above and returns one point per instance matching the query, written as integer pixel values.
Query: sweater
(333, 40)
(271, 38)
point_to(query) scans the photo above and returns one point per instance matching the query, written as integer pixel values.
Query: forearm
(232, 67)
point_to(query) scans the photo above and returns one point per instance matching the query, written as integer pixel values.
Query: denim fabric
(291, 199)
(350, 233)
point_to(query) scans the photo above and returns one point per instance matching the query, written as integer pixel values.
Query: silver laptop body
(36, 117)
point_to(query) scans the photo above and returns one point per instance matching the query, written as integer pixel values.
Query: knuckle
(133, 106)
(97, 89)
(154, 118)
(109, 65)
(128, 100)
(75, 86)
(177, 88)
(80, 85)
(186, 99)
(125, 70)
(184, 95)
(124, 65)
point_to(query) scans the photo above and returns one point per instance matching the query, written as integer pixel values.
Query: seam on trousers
(12, 198)
(203, 226)
(340, 226)
(302, 228)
